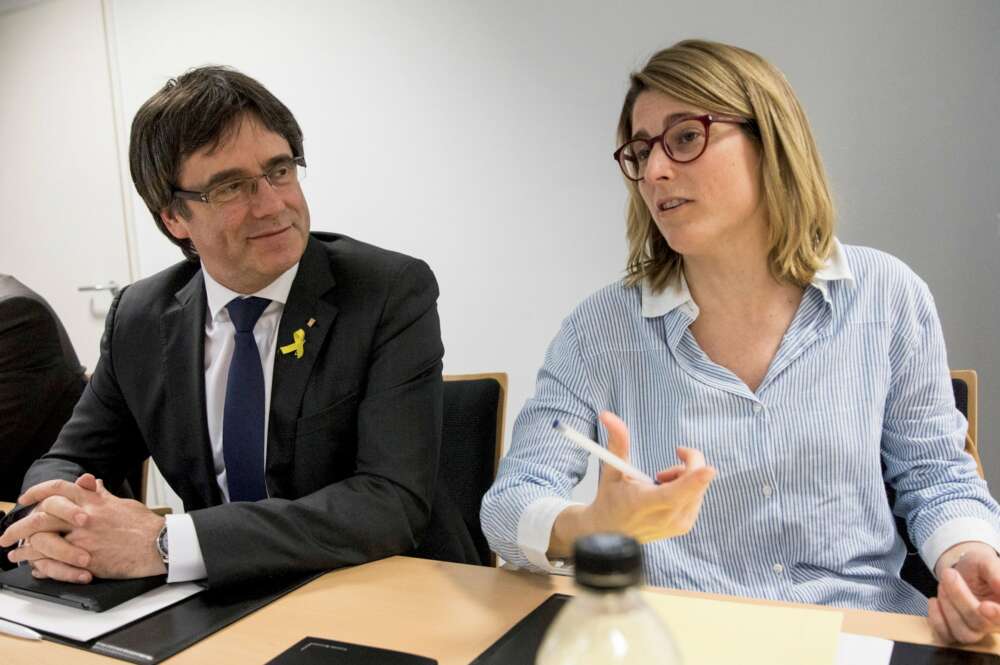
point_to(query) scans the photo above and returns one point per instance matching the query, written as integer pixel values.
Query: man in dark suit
(287, 385)
(40, 381)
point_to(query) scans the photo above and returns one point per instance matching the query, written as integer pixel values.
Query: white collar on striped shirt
(676, 294)
(218, 296)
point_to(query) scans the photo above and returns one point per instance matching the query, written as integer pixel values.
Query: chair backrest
(964, 383)
(471, 441)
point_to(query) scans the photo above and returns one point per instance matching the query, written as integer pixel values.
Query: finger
(7, 539)
(62, 508)
(617, 442)
(951, 634)
(54, 546)
(991, 612)
(693, 499)
(669, 475)
(959, 630)
(57, 570)
(24, 553)
(693, 459)
(42, 491)
(688, 484)
(938, 625)
(964, 600)
(681, 496)
(87, 481)
(37, 522)
(957, 624)
(686, 494)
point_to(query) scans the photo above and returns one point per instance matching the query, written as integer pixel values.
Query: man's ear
(177, 225)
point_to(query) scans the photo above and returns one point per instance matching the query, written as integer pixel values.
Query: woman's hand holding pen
(633, 507)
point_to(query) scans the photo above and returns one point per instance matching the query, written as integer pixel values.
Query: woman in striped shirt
(806, 372)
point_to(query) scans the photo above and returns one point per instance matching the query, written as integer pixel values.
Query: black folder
(97, 596)
(905, 653)
(521, 643)
(319, 651)
(160, 635)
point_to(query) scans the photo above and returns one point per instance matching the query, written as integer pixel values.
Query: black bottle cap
(607, 561)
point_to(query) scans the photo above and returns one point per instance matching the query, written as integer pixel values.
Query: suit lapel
(291, 374)
(183, 339)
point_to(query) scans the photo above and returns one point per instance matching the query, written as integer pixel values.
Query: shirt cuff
(186, 561)
(953, 532)
(534, 530)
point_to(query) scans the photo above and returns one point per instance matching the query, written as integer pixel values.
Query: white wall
(477, 135)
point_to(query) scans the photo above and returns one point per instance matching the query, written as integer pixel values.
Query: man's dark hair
(197, 109)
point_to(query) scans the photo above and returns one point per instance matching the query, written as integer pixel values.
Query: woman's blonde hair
(728, 80)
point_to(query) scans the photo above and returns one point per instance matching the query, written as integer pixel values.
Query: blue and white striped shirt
(798, 510)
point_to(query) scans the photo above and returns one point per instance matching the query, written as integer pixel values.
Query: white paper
(83, 625)
(863, 650)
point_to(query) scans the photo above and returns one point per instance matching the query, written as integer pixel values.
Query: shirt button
(778, 569)
(757, 408)
(767, 490)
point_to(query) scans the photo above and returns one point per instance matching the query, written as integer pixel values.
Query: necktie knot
(244, 312)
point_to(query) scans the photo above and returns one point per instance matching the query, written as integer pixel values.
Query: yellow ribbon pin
(298, 345)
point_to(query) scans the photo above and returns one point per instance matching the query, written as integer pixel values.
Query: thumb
(617, 441)
(87, 481)
(990, 572)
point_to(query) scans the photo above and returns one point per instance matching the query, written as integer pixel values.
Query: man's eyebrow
(233, 174)
(223, 176)
(277, 159)
(670, 119)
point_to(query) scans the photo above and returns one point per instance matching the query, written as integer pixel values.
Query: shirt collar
(836, 268)
(219, 296)
(676, 294)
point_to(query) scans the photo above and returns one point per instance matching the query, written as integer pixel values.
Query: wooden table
(446, 611)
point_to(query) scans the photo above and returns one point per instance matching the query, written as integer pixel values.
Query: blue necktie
(243, 414)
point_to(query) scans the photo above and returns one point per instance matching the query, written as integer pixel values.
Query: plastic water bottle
(607, 622)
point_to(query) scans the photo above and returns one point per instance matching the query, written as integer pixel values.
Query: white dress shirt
(186, 560)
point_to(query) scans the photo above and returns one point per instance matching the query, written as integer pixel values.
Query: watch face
(161, 544)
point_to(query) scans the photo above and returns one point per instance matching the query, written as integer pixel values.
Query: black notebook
(317, 651)
(97, 596)
(904, 653)
(160, 635)
(521, 643)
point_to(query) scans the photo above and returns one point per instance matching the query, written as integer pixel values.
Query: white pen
(17, 630)
(602, 454)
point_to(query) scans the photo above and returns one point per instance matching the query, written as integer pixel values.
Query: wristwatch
(162, 547)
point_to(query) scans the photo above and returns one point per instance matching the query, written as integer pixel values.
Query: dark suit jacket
(40, 381)
(354, 428)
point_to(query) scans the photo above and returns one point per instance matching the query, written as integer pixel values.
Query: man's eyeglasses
(239, 190)
(684, 141)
